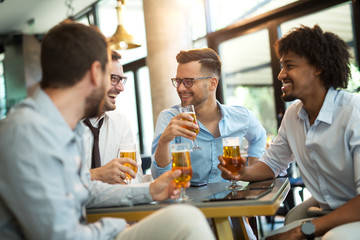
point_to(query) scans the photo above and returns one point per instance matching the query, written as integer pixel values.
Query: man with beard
(320, 132)
(44, 183)
(115, 130)
(197, 77)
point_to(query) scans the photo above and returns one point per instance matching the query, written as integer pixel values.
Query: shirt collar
(327, 109)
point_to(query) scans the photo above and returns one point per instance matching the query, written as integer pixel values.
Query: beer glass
(180, 156)
(128, 150)
(191, 110)
(232, 158)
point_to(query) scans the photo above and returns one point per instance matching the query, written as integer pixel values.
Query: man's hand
(164, 187)
(114, 171)
(178, 127)
(226, 174)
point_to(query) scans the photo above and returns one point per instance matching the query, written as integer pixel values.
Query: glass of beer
(128, 150)
(232, 158)
(180, 156)
(191, 110)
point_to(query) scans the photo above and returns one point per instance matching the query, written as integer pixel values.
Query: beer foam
(181, 151)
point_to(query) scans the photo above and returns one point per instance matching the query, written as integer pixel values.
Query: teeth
(286, 84)
(112, 95)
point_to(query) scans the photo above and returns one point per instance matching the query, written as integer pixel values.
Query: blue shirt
(327, 153)
(235, 121)
(44, 182)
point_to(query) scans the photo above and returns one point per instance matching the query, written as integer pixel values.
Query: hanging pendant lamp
(121, 39)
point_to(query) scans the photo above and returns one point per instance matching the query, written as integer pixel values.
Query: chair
(145, 163)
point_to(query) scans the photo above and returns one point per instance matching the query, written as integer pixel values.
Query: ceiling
(16, 15)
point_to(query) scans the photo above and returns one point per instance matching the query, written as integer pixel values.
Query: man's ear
(213, 83)
(96, 73)
(318, 71)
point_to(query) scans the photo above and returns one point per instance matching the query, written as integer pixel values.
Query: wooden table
(219, 211)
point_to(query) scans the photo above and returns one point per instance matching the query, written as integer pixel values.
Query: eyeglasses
(187, 82)
(115, 79)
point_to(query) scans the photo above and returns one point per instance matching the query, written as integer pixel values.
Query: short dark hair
(115, 55)
(68, 50)
(207, 57)
(324, 50)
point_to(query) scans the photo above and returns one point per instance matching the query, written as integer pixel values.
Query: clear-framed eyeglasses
(187, 82)
(115, 79)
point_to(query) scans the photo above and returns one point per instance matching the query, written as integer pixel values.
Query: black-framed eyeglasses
(187, 82)
(115, 79)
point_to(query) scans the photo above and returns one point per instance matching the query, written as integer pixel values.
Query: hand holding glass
(232, 158)
(128, 150)
(180, 155)
(191, 110)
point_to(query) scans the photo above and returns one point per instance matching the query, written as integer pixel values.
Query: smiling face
(199, 93)
(300, 79)
(109, 104)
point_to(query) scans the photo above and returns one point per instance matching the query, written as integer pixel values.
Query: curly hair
(207, 57)
(324, 50)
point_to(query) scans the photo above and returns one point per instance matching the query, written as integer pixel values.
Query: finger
(175, 174)
(221, 160)
(175, 194)
(183, 116)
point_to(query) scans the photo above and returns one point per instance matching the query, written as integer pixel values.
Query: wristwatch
(308, 229)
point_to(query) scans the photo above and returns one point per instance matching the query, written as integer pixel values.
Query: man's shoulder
(348, 99)
(236, 112)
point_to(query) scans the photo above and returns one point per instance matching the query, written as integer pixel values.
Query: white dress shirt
(327, 153)
(115, 130)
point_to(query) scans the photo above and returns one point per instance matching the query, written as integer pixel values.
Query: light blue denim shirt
(235, 121)
(327, 153)
(44, 183)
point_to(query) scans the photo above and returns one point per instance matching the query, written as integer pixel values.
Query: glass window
(2, 89)
(146, 110)
(247, 76)
(337, 20)
(126, 103)
(224, 13)
(197, 19)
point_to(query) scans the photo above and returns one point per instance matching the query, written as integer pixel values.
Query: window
(224, 13)
(247, 78)
(2, 89)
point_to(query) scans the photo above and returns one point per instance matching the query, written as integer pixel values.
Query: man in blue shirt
(321, 133)
(197, 78)
(44, 182)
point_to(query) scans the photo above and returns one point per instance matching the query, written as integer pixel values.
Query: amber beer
(128, 151)
(181, 161)
(131, 155)
(193, 115)
(232, 158)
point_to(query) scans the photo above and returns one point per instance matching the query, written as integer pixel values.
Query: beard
(199, 99)
(95, 102)
(288, 98)
(108, 105)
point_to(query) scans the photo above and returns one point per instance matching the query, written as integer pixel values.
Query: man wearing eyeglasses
(114, 130)
(197, 77)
